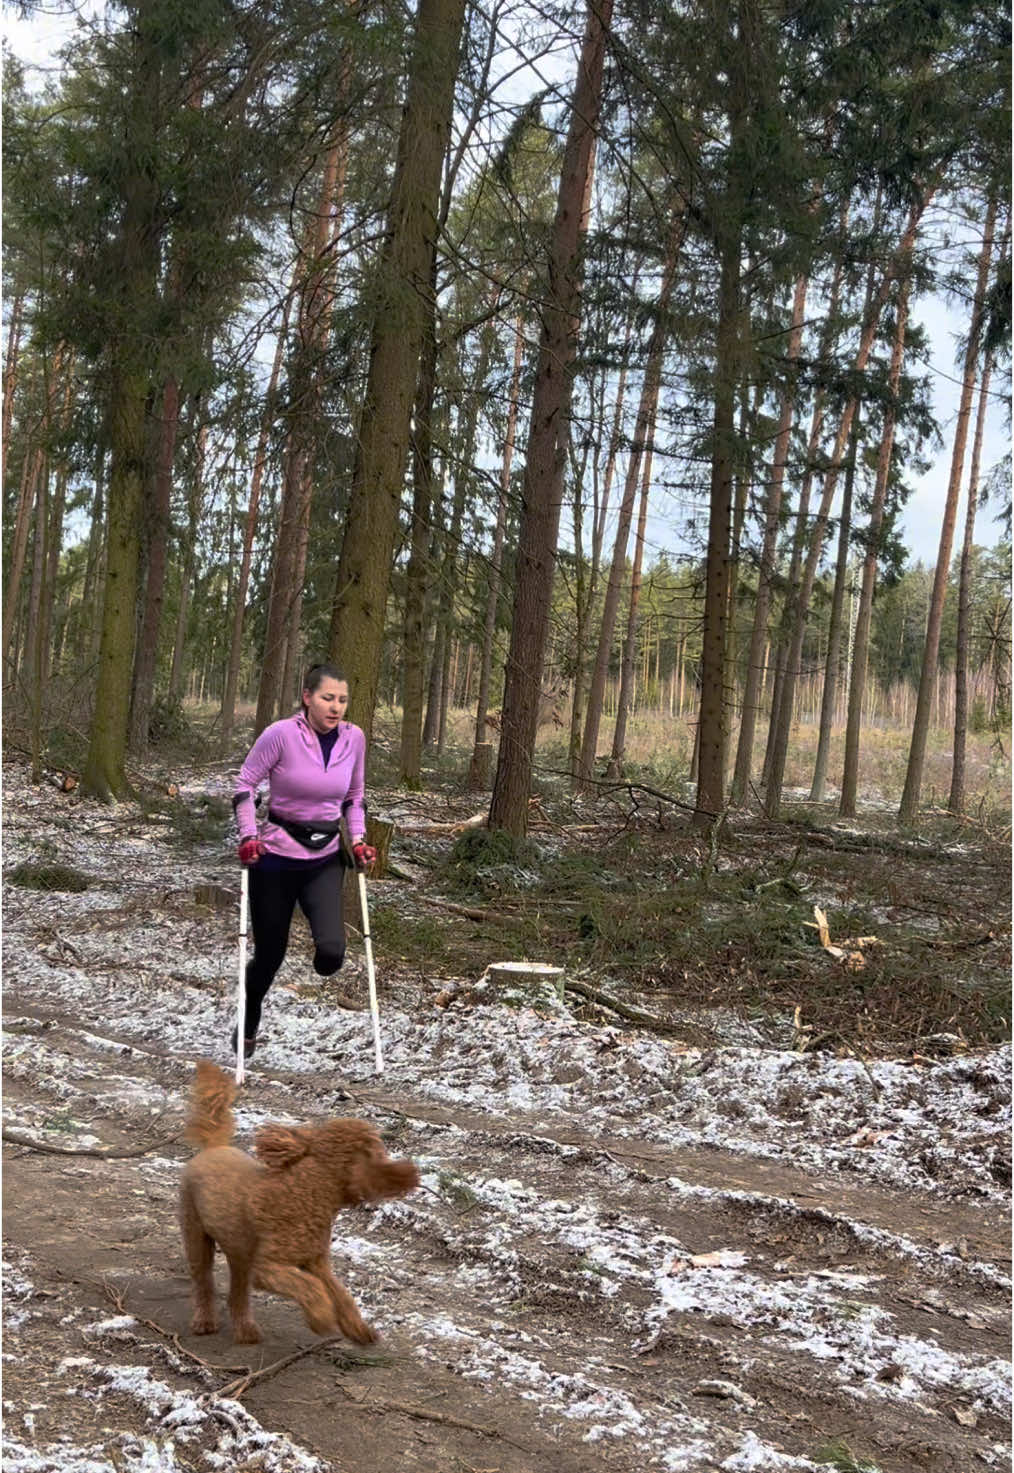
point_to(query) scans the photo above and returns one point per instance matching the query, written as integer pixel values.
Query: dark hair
(317, 674)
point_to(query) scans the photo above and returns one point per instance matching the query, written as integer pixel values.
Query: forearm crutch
(370, 973)
(244, 914)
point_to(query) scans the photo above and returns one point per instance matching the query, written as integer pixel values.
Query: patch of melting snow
(887, 1122)
(813, 1316)
(224, 1433)
(132, 1455)
(677, 1441)
(755, 1456)
(881, 1121)
(121, 1327)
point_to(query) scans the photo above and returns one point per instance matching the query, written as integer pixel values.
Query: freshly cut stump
(526, 983)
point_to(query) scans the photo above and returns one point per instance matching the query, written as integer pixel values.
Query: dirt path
(589, 1278)
(539, 1346)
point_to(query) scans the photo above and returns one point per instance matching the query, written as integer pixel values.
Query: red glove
(250, 850)
(364, 855)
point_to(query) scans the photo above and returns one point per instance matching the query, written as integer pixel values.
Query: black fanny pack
(310, 835)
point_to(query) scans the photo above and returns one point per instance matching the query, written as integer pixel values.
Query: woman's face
(326, 705)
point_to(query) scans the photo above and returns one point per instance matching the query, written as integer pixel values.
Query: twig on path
(635, 1015)
(118, 1300)
(785, 878)
(67, 945)
(235, 1389)
(21, 1138)
(635, 1171)
(982, 940)
(469, 912)
(423, 1414)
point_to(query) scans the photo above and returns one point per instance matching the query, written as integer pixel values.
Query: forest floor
(762, 1226)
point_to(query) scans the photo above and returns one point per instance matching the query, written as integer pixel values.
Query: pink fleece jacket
(287, 754)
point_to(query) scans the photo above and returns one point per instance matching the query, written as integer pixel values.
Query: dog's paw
(360, 1332)
(246, 1332)
(203, 1323)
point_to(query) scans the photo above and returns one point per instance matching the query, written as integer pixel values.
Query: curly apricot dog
(272, 1217)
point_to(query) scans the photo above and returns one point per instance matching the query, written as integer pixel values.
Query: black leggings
(273, 897)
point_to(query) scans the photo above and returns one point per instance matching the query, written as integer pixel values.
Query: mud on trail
(703, 1248)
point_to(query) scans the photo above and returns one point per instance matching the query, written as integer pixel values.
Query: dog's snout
(393, 1178)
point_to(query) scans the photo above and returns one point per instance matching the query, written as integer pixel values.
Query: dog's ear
(278, 1145)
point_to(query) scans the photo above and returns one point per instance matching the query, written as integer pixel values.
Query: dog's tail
(210, 1120)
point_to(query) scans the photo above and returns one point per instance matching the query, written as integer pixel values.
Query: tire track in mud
(549, 1278)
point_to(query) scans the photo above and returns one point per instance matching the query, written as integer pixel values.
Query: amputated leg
(320, 898)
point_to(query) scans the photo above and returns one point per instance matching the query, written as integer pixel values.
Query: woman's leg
(272, 901)
(321, 900)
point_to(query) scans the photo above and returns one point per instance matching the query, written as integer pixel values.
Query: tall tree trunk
(547, 444)
(446, 691)
(444, 614)
(642, 430)
(769, 545)
(86, 642)
(582, 585)
(711, 736)
(773, 796)
(783, 637)
(414, 640)
(130, 381)
(52, 634)
(34, 468)
(434, 687)
(625, 696)
(364, 567)
(832, 665)
(478, 773)
(31, 469)
(579, 705)
(920, 727)
(864, 614)
(250, 530)
(283, 635)
(54, 544)
(35, 638)
(291, 672)
(742, 483)
(104, 774)
(315, 317)
(156, 532)
(414, 629)
(284, 590)
(956, 800)
(10, 378)
(189, 561)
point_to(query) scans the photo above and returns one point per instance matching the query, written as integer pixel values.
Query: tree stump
(480, 770)
(525, 984)
(379, 833)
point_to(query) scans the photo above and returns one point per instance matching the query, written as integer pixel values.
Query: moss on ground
(48, 874)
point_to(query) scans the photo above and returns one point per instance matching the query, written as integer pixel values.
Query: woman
(315, 765)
